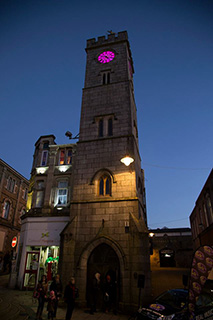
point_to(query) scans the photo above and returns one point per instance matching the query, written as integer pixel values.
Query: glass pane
(62, 157)
(69, 156)
(62, 184)
(39, 198)
(107, 186)
(101, 128)
(101, 187)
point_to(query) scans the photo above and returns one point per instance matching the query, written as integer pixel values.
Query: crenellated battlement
(112, 37)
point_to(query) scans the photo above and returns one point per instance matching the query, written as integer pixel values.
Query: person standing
(51, 305)
(110, 295)
(41, 289)
(70, 294)
(95, 292)
(56, 286)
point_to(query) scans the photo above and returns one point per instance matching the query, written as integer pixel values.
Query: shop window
(44, 158)
(101, 128)
(6, 210)
(104, 187)
(62, 193)
(110, 127)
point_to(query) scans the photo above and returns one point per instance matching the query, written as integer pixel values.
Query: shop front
(39, 249)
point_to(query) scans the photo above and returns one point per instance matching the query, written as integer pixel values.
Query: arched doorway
(103, 260)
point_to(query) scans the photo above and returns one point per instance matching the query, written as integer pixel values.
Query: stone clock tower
(107, 232)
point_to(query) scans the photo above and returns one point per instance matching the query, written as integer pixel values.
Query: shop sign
(14, 242)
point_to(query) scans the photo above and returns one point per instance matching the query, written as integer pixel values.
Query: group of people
(52, 297)
(105, 292)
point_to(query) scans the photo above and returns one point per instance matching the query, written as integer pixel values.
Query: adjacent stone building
(13, 199)
(171, 252)
(94, 207)
(48, 211)
(201, 218)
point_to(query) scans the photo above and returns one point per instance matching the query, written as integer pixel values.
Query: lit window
(104, 186)
(69, 156)
(6, 210)
(44, 157)
(62, 157)
(62, 193)
(110, 131)
(101, 128)
(39, 198)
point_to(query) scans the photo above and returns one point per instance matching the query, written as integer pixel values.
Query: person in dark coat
(70, 294)
(41, 289)
(110, 295)
(95, 291)
(56, 286)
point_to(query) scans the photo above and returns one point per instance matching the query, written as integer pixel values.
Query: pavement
(20, 305)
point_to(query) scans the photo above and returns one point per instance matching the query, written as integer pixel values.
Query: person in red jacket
(70, 294)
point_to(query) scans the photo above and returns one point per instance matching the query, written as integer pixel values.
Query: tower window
(106, 77)
(44, 157)
(46, 145)
(6, 210)
(104, 186)
(101, 128)
(110, 127)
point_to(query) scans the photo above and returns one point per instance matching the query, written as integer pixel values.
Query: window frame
(44, 158)
(104, 186)
(6, 210)
(62, 188)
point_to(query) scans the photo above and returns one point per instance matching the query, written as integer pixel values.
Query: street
(20, 305)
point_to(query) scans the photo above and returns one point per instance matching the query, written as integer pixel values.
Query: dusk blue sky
(42, 69)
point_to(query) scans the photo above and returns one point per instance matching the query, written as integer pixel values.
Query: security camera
(68, 134)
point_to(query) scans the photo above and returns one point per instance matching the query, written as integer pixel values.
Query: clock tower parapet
(103, 40)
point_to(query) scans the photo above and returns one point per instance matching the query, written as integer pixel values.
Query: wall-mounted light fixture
(127, 160)
(126, 226)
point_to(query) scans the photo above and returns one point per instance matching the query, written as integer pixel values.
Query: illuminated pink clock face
(106, 56)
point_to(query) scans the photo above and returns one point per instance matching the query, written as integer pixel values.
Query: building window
(104, 187)
(209, 209)
(69, 156)
(65, 157)
(39, 198)
(62, 157)
(62, 193)
(44, 158)
(110, 127)
(101, 128)
(46, 145)
(6, 210)
(11, 184)
(25, 193)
